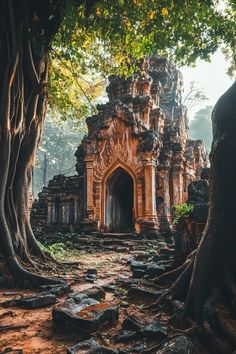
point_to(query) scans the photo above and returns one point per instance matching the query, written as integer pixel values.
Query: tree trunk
(207, 282)
(33, 183)
(215, 263)
(45, 168)
(26, 30)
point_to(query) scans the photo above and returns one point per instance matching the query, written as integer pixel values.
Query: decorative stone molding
(138, 139)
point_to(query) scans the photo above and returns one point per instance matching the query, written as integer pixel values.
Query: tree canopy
(112, 36)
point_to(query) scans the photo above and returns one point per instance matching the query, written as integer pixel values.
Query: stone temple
(134, 164)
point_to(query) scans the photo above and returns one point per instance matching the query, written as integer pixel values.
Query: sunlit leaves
(116, 31)
(151, 15)
(164, 11)
(72, 95)
(110, 37)
(98, 11)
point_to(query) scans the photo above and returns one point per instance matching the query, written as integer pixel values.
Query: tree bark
(26, 30)
(207, 283)
(215, 263)
(45, 167)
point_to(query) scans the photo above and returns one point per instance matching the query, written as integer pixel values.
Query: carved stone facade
(137, 160)
(57, 206)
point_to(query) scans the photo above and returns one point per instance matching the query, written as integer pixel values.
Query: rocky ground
(106, 307)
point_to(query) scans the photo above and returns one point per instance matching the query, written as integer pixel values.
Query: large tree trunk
(26, 30)
(207, 282)
(215, 264)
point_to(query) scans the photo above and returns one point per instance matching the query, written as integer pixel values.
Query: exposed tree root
(10, 328)
(7, 313)
(179, 288)
(155, 347)
(217, 328)
(175, 273)
(24, 276)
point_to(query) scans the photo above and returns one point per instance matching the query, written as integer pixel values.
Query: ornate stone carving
(139, 137)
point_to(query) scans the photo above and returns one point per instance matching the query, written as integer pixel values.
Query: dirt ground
(40, 334)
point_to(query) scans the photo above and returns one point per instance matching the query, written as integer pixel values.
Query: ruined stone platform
(107, 242)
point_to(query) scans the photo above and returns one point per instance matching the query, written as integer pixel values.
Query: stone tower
(136, 160)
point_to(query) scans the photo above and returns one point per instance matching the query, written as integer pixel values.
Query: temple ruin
(134, 164)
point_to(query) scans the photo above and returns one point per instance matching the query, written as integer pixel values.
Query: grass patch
(60, 251)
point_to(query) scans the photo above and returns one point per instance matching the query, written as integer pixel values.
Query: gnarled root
(181, 277)
(170, 277)
(24, 276)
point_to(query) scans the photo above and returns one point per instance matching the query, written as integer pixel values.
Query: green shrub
(55, 249)
(180, 210)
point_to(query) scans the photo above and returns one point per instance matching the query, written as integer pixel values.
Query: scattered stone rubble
(85, 311)
(90, 346)
(89, 312)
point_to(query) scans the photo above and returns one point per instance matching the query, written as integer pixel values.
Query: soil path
(41, 336)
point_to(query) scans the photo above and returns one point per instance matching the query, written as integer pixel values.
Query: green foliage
(111, 36)
(201, 127)
(72, 95)
(181, 210)
(54, 249)
(121, 292)
(65, 252)
(230, 50)
(59, 251)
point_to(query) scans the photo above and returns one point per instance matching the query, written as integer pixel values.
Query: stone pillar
(97, 201)
(158, 120)
(164, 177)
(139, 205)
(49, 212)
(165, 189)
(150, 187)
(53, 212)
(186, 181)
(89, 187)
(63, 212)
(89, 222)
(67, 211)
(150, 214)
(177, 178)
(76, 210)
(140, 201)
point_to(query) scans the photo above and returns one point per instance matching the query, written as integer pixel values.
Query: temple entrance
(119, 208)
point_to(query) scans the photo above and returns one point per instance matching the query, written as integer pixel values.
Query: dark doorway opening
(120, 202)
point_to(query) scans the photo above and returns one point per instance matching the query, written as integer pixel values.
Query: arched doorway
(119, 206)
